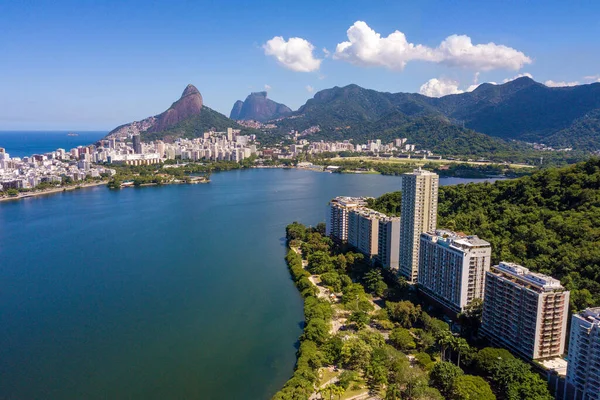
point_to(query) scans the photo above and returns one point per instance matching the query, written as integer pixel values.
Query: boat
(72, 134)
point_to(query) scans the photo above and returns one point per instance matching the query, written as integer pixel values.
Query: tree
(356, 354)
(403, 312)
(469, 387)
(461, 346)
(444, 340)
(442, 377)
(360, 318)
(319, 262)
(402, 339)
(317, 330)
(374, 282)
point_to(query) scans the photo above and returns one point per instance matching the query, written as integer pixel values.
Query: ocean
(27, 143)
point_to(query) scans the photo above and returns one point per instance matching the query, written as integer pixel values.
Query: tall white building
(525, 311)
(452, 268)
(419, 214)
(363, 230)
(388, 250)
(583, 371)
(337, 216)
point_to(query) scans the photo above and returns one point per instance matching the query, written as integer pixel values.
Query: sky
(93, 65)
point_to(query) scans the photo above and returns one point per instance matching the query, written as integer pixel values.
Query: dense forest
(548, 221)
(366, 333)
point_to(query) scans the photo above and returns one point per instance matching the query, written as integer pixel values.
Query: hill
(187, 117)
(521, 109)
(548, 221)
(258, 107)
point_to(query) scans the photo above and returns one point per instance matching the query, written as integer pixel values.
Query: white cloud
(551, 83)
(267, 87)
(326, 52)
(365, 47)
(595, 78)
(439, 87)
(295, 54)
(310, 89)
(527, 74)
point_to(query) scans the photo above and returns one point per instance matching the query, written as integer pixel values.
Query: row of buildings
(524, 311)
(53, 168)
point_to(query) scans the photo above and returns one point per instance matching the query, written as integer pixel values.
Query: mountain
(187, 117)
(258, 107)
(521, 109)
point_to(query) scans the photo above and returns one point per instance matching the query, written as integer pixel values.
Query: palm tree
(338, 391)
(444, 340)
(461, 346)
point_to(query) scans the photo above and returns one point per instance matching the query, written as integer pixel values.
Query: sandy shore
(51, 191)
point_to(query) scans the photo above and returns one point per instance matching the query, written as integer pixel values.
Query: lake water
(27, 143)
(175, 292)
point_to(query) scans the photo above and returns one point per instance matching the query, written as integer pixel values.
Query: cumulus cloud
(527, 74)
(365, 47)
(310, 89)
(439, 87)
(326, 52)
(551, 83)
(594, 78)
(267, 87)
(295, 54)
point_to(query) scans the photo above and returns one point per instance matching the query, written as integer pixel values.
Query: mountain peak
(259, 94)
(189, 90)
(259, 108)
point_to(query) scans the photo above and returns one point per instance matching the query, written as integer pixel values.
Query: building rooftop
(591, 314)
(457, 240)
(348, 201)
(526, 277)
(420, 171)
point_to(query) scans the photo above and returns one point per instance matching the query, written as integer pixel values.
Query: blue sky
(86, 65)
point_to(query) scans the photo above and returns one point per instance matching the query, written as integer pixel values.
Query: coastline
(53, 191)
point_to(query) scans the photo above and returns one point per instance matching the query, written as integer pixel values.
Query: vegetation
(441, 365)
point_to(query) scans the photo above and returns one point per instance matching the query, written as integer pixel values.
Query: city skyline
(95, 66)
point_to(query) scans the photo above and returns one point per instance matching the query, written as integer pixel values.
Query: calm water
(176, 292)
(27, 143)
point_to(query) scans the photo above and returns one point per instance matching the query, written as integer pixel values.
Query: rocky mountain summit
(258, 107)
(189, 105)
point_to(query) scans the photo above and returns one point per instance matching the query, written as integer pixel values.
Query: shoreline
(53, 191)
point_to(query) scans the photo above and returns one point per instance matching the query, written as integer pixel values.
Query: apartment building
(388, 249)
(525, 311)
(363, 230)
(452, 268)
(583, 371)
(337, 216)
(419, 214)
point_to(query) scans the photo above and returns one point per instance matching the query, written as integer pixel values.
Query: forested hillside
(548, 221)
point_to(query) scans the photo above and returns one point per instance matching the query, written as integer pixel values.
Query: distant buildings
(419, 214)
(137, 144)
(452, 268)
(525, 311)
(583, 372)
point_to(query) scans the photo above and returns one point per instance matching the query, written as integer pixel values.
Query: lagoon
(160, 292)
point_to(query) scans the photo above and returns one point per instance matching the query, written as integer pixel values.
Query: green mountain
(521, 109)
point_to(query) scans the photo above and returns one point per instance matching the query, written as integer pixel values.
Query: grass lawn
(327, 375)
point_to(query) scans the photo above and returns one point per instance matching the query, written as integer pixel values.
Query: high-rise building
(137, 144)
(419, 214)
(388, 248)
(583, 371)
(525, 311)
(363, 230)
(452, 268)
(337, 216)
